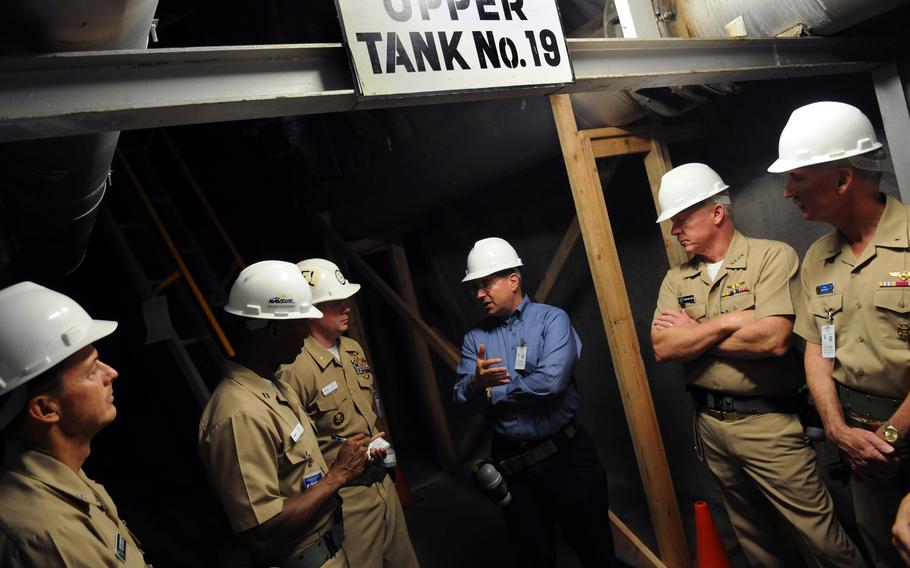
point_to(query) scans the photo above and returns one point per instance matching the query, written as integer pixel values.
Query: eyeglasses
(486, 284)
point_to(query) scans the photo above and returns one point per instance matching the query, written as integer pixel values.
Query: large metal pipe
(707, 18)
(51, 188)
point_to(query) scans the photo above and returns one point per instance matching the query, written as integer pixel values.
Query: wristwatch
(890, 433)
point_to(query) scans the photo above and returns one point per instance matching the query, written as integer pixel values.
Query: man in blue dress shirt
(517, 365)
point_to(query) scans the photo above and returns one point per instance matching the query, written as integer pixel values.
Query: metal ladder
(171, 265)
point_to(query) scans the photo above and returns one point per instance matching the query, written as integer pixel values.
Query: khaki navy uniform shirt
(869, 303)
(756, 275)
(337, 395)
(259, 448)
(53, 516)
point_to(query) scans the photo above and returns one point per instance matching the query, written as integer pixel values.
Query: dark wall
(532, 211)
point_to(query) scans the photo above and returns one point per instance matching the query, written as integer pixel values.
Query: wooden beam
(630, 548)
(657, 163)
(558, 261)
(667, 133)
(619, 324)
(568, 242)
(367, 246)
(614, 141)
(439, 344)
(422, 358)
(620, 146)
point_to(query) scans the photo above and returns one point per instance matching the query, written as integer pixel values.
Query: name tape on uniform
(297, 432)
(312, 479)
(330, 388)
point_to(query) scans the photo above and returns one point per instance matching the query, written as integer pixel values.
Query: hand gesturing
(487, 374)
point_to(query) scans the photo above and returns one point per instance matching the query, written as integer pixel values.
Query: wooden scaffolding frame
(581, 149)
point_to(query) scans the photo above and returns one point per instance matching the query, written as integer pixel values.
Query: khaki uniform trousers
(764, 465)
(875, 504)
(340, 560)
(375, 534)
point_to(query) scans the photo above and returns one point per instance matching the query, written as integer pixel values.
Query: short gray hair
(722, 198)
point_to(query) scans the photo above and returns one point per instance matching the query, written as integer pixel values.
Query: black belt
(318, 553)
(726, 406)
(538, 450)
(868, 406)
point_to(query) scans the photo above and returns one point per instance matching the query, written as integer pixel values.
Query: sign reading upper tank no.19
(410, 47)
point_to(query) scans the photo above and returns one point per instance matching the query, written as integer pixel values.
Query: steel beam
(79, 93)
(892, 102)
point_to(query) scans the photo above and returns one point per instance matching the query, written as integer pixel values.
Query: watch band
(890, 433)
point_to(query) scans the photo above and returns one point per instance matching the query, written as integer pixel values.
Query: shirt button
(859, 306)
(860, 372)
(860, 339)
(900, 304)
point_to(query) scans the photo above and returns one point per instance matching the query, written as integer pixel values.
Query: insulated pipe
(50, 189)
(769, 18)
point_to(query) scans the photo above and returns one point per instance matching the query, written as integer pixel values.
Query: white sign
(409, 47)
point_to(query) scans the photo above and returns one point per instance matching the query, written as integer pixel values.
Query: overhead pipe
(413, 176)
(717, 18)
(708, 18)
(50, 189)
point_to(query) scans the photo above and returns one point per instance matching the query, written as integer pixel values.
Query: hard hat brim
(478, 274)
(344, 292)
(669, 213)
(312, 312)
(98, 330)
(783, 165)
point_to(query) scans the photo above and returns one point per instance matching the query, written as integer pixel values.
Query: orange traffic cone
(404, 494)
(710, 551)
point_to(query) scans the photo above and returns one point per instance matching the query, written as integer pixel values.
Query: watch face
(890, 433)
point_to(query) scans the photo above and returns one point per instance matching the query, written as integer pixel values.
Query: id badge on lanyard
(828, 339)
(521, 355)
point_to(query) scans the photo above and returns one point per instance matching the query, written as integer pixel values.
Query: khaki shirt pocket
(696, 311)
(332, 401)
(295, 457)
(737, 302)
(821, 306)
(892, 307)
(365, 381)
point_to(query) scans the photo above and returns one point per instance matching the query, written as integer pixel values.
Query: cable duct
(50, 189)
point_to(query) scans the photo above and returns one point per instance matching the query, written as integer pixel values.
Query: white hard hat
(490, 256)
(326, 280)
(823, 132)
(685, 186)
(271, 289)
(38, 329)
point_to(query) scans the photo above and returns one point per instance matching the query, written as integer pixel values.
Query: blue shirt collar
(519, 311)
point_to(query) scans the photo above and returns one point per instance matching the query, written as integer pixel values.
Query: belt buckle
(724, 416)
(857, 420)
(716, 414)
